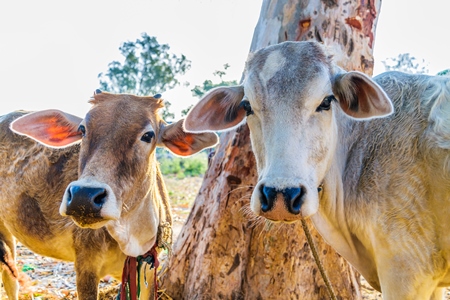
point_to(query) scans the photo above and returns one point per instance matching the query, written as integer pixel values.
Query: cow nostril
(268, 196)
(99, 197)
(293, 198)
(69, 195)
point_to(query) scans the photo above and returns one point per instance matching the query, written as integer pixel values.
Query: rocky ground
(45, 278)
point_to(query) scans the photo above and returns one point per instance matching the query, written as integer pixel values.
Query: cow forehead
(273, 64)
(288, 70)
(113, 127)
(115, 121)
(117, 114)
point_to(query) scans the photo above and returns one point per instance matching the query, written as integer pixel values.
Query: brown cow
(119, 186)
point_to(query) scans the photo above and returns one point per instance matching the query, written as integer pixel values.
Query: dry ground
(45, 278)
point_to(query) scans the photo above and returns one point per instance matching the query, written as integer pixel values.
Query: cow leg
(11, 285)
(87, 278)
(406, 286)
(439, 294)
(87, 285)
(407, 291)
(9, 272)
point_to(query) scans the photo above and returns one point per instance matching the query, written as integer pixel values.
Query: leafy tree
(405, 63)
(199, 91)
(166, 114)
(185, 111)
(148, 68)
(444, 73)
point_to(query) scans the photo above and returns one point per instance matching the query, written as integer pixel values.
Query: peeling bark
(223, 251)
(336, 24)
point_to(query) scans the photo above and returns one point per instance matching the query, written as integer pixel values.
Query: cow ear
(219, 110)
(360, 97)
(184, 143)
(52, 128)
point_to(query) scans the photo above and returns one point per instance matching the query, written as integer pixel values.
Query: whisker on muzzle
(125, 207)
(254, 220)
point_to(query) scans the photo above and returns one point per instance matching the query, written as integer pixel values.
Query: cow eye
(147, 137)
(326, 103)
(82, 129)
(247, 107)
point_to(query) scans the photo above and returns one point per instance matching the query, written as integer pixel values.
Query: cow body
(387, 208)
(373, 176)
(34, 178)
(42, 162)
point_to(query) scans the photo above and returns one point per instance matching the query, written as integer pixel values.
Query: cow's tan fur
(386, 181)
(34, 179)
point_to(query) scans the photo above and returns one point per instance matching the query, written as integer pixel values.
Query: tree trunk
(223, 250)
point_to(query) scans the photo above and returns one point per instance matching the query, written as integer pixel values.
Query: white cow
(328, 145)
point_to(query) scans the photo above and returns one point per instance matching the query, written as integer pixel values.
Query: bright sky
(52, 51)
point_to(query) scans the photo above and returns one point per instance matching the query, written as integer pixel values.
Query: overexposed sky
(417, 27)
(52, 51)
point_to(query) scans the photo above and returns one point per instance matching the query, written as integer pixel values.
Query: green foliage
(199, 91)
(444, 73)
(185, 111)
(27, 268)
(405, 63)
(165, 113)
(148, 69)
(181, 167)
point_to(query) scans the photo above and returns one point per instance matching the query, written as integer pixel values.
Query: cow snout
(281, 204)
(85, 201)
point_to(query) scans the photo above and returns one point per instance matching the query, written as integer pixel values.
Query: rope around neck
(313, 248)
(130, 288)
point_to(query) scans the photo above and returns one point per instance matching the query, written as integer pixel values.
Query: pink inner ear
(60, 135)
(360, 97)
(181, 147)
(51, 128)
(218, 110)
(185, 143)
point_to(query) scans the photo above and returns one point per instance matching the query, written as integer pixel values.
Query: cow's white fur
(274, 62)
(386, 182)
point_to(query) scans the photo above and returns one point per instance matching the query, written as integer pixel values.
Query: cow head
(290, 97)
(119, 184)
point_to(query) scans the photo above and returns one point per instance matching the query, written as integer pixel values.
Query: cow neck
(313, 248)
(130, 288)
(331, 221)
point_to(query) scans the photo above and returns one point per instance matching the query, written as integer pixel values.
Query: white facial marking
(274, 62)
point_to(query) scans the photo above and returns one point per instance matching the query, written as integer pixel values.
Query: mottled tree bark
(225, 252)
